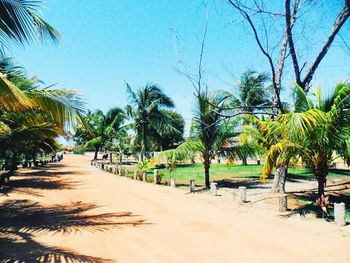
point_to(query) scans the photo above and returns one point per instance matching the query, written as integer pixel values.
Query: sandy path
(165, 225)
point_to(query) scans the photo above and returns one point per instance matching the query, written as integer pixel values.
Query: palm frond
(65, 107)
(20, 23)
(11, 97)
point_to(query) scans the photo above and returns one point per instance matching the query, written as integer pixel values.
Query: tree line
(32, 115)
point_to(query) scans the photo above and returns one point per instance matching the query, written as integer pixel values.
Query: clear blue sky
(109, 42)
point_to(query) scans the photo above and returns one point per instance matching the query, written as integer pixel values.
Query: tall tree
(53, 111)
(146, 108)
(210, 132)
(103, 128)
(251, 93)
(251, 96)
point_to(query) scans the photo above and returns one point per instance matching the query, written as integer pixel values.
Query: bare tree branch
(199, 83)
(347, 46)
(339, 22)
(260, 10)
(290, 39)
(244, 13)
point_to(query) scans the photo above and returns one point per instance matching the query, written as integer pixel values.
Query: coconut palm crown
(146, 108)
(318, 132)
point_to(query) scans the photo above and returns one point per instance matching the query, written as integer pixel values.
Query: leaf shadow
(21, 220)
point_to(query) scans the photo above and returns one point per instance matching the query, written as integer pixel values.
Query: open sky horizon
(108, 43)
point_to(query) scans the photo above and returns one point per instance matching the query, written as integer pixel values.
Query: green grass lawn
(234, 175)
(186, 172)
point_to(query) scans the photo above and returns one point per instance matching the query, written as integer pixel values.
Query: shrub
(142, 166)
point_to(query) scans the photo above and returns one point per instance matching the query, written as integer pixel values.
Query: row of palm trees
(150, 123)
(31, 116)
(149, 114)
(315, 130)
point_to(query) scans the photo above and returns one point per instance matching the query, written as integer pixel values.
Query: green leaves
(316, 131)
(11, 97)
(20, 23)
(104, 130)
(151, 120)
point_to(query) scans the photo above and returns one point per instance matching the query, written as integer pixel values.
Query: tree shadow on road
(30, 185)
(249, 183)
(40, 178)
(21, 220)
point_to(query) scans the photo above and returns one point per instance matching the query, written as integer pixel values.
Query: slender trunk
(12, 164)
(206, 172)
(96, 152)
(110, 157)
(321, 185)
(279, 180)
(244, 161)
(143, 142)
(321, 176)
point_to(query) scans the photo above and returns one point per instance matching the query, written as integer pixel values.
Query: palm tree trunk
(206, 172)
(321, 184)
(12, 165)
(110, 157)
(143, 142)
(279, 180)
(321, 175)
(244, 161)
(96, 152)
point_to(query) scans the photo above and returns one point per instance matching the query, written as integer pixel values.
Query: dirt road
(72, 211)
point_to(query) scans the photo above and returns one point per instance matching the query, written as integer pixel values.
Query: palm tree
(210, 133)
(51, 113)
(146, 109)
(251, 93)
(103, 128)
(318, 131)
(171, 138)
(210, 129)
(37, 126)
(251, 96)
